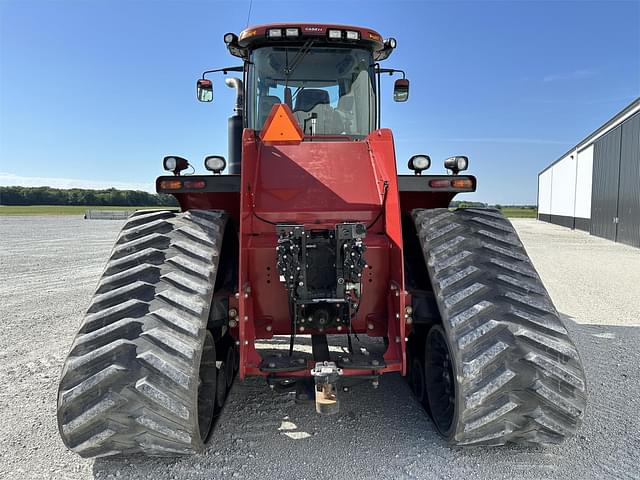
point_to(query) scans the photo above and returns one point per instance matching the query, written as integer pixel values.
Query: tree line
(81, 196)
(467, 204)
(121, 198)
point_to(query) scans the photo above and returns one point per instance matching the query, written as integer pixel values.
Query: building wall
(578, 189)
(584, 174)
(563, 190)
(544, 195)
(606, 177)
(557, 192)
(629, 193)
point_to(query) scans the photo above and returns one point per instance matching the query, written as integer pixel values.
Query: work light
(274, 33)
(352, 35)
(292, 32)
(418, 163)
(175, 164)
(335, 34)
(215, 163)
(456, 164)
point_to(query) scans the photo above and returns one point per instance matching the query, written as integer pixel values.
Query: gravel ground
(49, 267)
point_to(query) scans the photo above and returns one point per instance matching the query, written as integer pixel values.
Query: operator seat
(315, 100)
(345, 111)
(308, 98)
(265, 105)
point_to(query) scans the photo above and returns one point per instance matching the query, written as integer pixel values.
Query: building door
(629, 192)
(606, 176)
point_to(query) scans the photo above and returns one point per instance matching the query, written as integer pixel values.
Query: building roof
(613, 122)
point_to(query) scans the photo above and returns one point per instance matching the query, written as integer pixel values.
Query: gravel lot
(49, 267)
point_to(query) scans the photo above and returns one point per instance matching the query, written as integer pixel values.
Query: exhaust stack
(236, 125)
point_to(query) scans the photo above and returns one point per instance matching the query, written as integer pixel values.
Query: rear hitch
(326, 376)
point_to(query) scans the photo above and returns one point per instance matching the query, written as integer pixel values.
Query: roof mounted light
(230, 38)
(352, 35)
(274, 33)
(292, 32)
(390, 45)
(456, 164)
(335, 34)
(175, 164)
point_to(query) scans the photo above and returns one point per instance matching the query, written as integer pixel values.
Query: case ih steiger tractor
(313, 237)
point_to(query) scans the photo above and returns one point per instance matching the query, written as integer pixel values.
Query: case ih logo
(313, 29)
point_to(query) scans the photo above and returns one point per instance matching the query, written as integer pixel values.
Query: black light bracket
(224, 70)
(390, 71)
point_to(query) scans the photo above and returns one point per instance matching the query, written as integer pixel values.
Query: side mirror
(204, 89)
(401, 90)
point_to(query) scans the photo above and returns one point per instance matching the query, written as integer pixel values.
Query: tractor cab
(327, 75)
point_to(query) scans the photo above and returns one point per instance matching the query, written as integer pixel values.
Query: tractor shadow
(384, 432)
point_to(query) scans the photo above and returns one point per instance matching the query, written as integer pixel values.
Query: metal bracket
(280, 363)
(326, 375)
(362, 362)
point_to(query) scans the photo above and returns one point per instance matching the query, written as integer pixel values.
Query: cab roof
(261, 34)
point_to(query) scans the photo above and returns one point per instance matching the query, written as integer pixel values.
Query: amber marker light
(462, 183)
(170, 184)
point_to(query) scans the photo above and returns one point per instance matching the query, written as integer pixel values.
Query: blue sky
(94, 93)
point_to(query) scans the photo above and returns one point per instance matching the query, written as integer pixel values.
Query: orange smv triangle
(281, 126)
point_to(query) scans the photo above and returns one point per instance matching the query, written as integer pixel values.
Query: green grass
(80, 209)
(60, 209)
(520, 212)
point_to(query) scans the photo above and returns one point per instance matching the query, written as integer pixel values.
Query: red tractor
(312, 238)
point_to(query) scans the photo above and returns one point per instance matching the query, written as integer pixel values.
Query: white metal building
(595, 186)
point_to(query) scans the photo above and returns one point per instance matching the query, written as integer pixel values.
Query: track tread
(188, 265)
(144, 270)
(519, 376)
(117, 266)
(130, 383)
(142, 229)
(127, 328)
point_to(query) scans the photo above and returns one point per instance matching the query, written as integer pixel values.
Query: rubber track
(519, 378)
(130, 382)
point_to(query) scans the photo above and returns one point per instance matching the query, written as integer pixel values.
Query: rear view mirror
(401, 90)
(205, 90)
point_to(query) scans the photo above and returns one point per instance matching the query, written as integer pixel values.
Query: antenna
(249, 14)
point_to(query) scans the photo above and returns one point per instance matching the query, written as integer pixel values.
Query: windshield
(330, 90)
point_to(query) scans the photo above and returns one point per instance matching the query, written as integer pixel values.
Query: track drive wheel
(229, 366)
(416, 370)
(440, 380)
(221, 392)
(207, 389)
